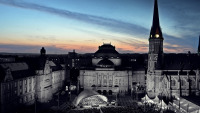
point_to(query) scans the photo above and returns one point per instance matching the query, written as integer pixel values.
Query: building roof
(55, 66)
(15, 66)
(17, 70)
(106, 50)
(181, 62)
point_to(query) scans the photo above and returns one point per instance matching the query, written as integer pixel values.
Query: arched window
(192, 83)
(183, 83)
(173, 82)
(105, 80)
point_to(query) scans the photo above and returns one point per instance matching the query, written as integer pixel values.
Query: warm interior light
(157, 35)
(151, 36)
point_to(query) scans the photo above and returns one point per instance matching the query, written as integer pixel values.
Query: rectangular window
(182, 82)
(20, 90)
(25, 89)
(25, 99)
(116, 82)
(25, 81)
(173, 82)
(29, 88)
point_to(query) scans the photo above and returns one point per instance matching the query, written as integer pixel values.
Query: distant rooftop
(106, 50)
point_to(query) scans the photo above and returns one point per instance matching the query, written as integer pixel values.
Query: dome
(105, 63)
(106, 50)
(89, 94)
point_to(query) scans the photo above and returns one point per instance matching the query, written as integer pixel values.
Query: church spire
(156, 22)
(155, 29)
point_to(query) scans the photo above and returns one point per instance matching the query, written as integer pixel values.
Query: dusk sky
(63, 25)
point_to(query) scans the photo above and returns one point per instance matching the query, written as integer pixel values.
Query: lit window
(25, 89)
(25, 81)
(29, 80)
(157, 35)
(151, 36)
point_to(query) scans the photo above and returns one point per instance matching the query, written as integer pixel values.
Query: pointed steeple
(155, 29)
(198, 52)
(156, 21)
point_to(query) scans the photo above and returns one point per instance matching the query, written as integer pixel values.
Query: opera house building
(110, 73)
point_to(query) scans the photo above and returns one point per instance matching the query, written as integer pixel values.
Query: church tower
(198, 52)
(155, 54)
(155, 42)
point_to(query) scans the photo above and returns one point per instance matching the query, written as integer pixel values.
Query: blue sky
(63, 25)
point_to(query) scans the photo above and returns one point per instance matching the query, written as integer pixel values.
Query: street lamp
(35, 103)
(58, 97)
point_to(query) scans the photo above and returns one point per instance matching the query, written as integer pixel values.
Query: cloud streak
(51, 49)
(106, 23)
(109, 24)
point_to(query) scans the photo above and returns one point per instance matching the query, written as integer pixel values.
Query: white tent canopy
(162, 105)
(156, 99)
(147, 99)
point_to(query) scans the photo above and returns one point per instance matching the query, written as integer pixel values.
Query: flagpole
(35, 104)
(145, 102)
(35, 88)
(161, 100)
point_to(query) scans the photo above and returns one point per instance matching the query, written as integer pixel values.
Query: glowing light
(157, 36)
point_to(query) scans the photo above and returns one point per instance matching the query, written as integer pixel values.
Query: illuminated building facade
(109, 74)
(24, 83)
